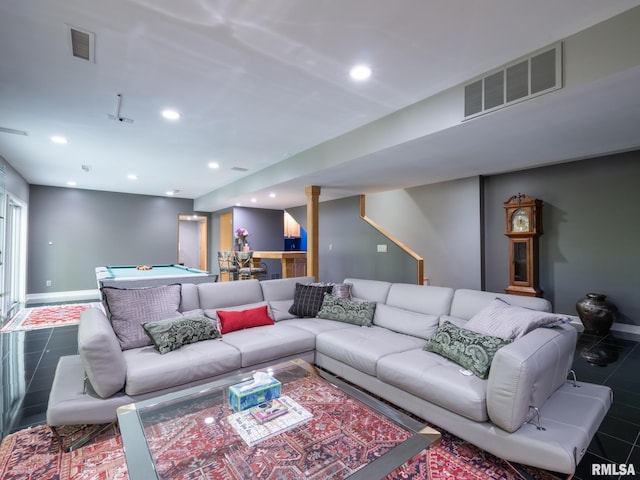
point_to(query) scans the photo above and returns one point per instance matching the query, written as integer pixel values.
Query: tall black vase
(596, 313)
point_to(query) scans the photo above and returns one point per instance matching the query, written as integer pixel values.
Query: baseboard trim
(79, 295)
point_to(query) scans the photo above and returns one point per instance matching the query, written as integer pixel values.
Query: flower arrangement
(241, 236)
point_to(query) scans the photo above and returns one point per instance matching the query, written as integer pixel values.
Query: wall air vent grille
(520, 80)
(82, 44)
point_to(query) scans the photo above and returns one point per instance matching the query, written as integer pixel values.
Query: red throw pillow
(231, 320)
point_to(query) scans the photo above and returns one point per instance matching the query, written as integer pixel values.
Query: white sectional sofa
(525, 411)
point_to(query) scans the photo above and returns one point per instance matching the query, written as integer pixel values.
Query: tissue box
(241, 400)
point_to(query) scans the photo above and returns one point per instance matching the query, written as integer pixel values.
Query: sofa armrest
(527, 372)
(100, 352)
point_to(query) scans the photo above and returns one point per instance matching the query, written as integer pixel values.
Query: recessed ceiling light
(132, 176)
(172, 192)
(360, 72)
(71, 183)
(59, 140)
(170, 114)
(214, 165)
(272, 195)
(254, 200)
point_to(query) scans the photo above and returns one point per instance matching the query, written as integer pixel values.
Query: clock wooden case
(524, 226)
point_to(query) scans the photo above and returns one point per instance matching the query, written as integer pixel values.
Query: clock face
(520, 220)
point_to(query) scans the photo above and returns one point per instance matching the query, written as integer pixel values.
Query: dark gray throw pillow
(129, 308)
(348, 311)
(307, 299)
(471, 350)
(172, 333)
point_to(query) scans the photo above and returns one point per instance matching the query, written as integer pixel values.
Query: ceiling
(263, 90)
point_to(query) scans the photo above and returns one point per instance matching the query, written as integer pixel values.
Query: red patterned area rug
(35, 454)
(47, 317)
(342, 436)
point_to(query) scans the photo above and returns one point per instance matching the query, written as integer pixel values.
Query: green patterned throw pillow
(471, 350)
(348, 311)
(173, 333)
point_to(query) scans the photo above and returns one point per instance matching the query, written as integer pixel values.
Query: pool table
(130, 276)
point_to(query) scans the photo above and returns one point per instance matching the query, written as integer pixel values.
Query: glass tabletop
(326, 429)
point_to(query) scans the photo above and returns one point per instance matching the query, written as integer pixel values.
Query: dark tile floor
(29, 360)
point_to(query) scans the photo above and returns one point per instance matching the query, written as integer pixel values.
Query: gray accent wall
(72, 231)
(591, 239)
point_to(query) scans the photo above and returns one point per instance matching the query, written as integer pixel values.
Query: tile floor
(29, 360)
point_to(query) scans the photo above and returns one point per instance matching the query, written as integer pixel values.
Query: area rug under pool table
(35, 454)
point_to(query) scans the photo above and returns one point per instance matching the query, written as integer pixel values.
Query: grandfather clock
(524, 225)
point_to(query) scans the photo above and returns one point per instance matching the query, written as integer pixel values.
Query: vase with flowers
(241, 238)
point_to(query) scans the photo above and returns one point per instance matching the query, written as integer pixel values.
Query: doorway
(14, 257)
(226, 231)
(192, 241)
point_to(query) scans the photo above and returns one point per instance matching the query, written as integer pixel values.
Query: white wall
(441, 223)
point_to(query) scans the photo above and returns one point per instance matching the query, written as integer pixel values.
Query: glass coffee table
(331, 431)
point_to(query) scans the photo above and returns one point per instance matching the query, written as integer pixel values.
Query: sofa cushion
(130, 308)
(370, 290)
(172, 333)
(437, 380)
(214, 295)
(345, 310)
(405, 321)
(466, 303)
(100, 352)
(280, 309)
(269, 343)
(189, 299)
(148, 371)
(458, 322)
(500, 319)
(232, 320)
(425, 299)
(469, 349)
(361, 348)
(307, 299)
(282, 288)
(317, 325)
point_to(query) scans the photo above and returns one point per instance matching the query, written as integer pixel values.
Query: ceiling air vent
(239, 169)
(520, 80)
(82, 44)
